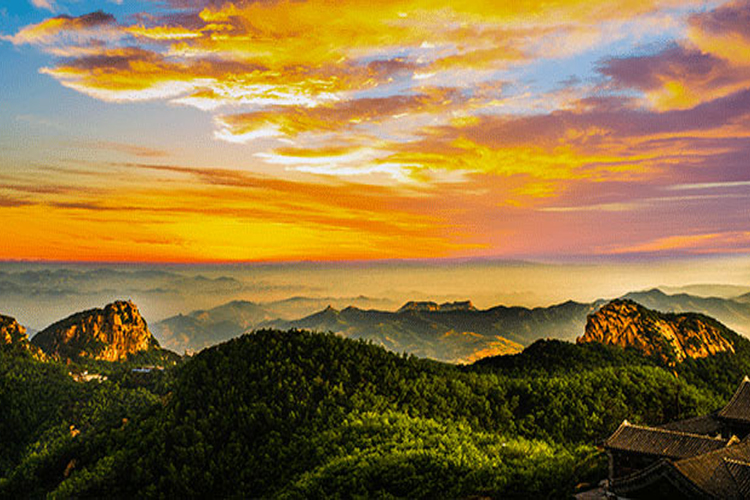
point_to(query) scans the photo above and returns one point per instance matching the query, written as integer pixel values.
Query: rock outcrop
(670, 337)
(109, 334)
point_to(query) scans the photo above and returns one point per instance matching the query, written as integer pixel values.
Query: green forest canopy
(309, 415)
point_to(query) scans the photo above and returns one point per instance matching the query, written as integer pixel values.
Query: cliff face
(109, 334)
(671, 337)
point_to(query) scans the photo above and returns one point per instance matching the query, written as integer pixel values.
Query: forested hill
(307, 415)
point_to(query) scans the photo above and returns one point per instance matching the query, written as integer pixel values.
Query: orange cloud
(678, 77)
(337, 116)
(710, 62)
(162, 32)
(305, 53)
(50, 31)
(724, 31)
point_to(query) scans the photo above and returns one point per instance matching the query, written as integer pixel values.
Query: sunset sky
(202, 131)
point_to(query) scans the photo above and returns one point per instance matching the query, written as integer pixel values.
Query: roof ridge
(670, 431)
(736, 461)
(735, 397)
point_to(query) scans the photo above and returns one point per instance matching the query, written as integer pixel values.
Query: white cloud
(44, 4)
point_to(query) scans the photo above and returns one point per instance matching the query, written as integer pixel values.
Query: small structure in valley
(85, 376)
(701, 457)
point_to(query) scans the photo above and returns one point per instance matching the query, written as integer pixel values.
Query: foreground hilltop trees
(306, 415)
(299, 415)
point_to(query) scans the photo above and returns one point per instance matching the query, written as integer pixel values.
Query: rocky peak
(671, 337)
(11, 332)
(14, 335)
(423, 306)
(464, 305)
(426, 306)
(108, 334)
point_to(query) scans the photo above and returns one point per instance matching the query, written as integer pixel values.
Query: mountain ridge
(454, 332)
(201, 328)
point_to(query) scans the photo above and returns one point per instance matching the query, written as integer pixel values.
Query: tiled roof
(738, 408)
(723, 473)
(661, 442)
(707, 425)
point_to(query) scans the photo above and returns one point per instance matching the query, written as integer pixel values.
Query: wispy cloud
(64, 29)
(709, 185)
(44, 4)
(129, 149)
(726, 242)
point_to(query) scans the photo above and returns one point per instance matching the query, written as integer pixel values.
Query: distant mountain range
(203, 328)
(708, 290)
(735, 313)
(449, 332)
(453, 332)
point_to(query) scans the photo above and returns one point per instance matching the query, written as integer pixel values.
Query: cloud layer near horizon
(415, 129)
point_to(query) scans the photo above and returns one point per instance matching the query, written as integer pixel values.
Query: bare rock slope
(670, 337)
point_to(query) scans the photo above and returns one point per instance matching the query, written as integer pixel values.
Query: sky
(269, 130)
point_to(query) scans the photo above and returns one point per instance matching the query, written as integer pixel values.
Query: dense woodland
(306, 415)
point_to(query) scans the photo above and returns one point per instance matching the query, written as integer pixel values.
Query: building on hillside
(705, 457)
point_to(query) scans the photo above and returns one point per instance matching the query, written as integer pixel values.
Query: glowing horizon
(197, 131)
